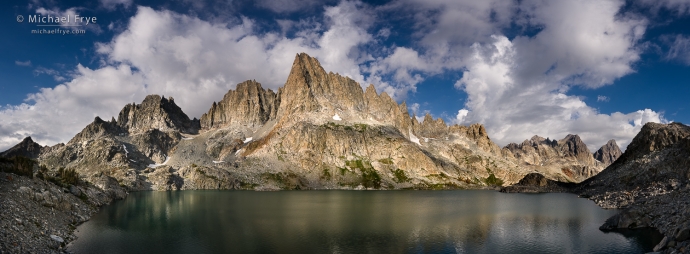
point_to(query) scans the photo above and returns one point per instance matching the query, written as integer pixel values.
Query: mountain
(565, 160)
(27, 148)
(608, 153)
(320, 130)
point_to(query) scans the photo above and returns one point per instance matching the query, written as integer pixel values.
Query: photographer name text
(61, 20)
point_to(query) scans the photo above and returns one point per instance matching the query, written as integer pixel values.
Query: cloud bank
(516, 61)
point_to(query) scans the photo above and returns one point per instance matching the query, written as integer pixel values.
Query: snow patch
(414, 138)
(132, 160)
(126, 152)
(238, 151)
(337, 117)
(247, 140)
(187, 138)
(216, 162)
(426, 140)
(167, 158)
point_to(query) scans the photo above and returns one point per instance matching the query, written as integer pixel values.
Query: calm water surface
(466, 221)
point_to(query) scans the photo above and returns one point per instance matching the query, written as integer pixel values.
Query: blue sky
(600, 69)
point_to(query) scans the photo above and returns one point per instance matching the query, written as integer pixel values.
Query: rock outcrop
(156, 112)
(608, 153)
(650, 181)
(27, 148)
(249, 104)
(566, 160)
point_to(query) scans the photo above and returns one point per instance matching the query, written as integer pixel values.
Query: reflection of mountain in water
(351, 222)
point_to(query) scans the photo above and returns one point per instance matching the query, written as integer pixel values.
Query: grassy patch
(387, 161)
(370, 178)
(400, 176)
(206, 175)
(492, 180)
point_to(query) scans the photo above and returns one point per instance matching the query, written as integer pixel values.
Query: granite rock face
(155, 112)
(608, 153)
(248, 104)
(566, 160)
(320, 130)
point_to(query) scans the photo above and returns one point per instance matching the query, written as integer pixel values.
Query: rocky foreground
(40, 214)
(650, 182)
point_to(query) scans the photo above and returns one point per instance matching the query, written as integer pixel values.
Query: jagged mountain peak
(96, 129)
(608, 153)
(26, 148)
(155, 112)
(249, 104)
(656, 136)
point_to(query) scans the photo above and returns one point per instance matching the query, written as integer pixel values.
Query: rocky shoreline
(38, 216)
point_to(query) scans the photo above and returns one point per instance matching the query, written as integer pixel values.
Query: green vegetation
(387, 161)
(19, 165)
(492, 180)
(360, 127)
(63, 177)
(400, 176)
(370, 178)
(201, 172)
(326, 174)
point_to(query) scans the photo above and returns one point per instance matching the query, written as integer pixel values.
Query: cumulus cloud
(190, 59)
(56, 114)
(603, 98)
(514, 110)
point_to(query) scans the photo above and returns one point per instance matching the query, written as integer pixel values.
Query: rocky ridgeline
(565, 160)
(650, 182)
(319, 131)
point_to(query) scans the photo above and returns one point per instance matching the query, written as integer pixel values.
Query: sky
(600, 69)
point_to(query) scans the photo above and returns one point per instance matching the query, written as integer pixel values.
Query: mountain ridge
(320, 130)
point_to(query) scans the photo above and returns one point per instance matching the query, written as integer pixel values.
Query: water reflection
(351, 222)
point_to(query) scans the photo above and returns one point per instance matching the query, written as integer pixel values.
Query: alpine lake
(334, 221)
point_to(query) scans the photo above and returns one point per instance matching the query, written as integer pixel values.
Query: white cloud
(57, 76)
(679, 7)
(112, 4)
(679, 48)
(513, 110)
(192, 60)
(287, 6)
(602, 98)
(56, 114)
(23, 63)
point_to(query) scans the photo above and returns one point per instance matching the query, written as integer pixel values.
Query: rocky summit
(320, 130)
(608, 153)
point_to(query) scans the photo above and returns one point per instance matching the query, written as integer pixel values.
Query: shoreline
(63, 211)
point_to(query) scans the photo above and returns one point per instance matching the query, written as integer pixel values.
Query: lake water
(463, 221)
